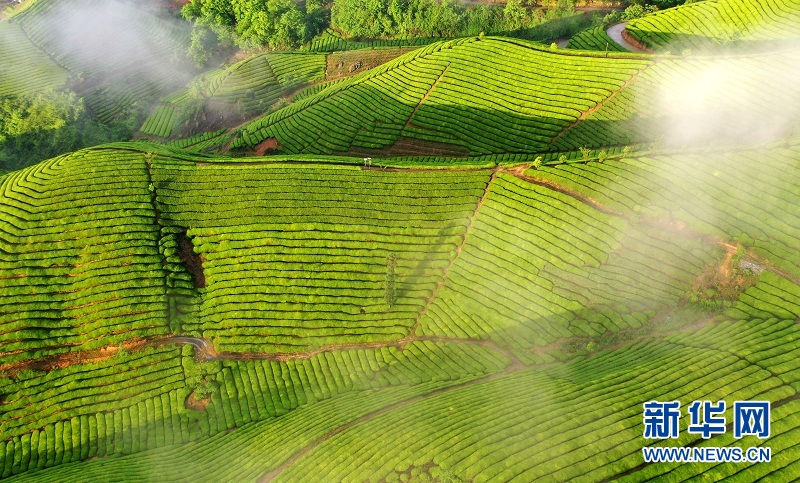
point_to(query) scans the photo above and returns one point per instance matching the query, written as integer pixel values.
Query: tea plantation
(473, 262)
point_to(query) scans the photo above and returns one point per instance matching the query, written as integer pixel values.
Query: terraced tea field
(461, 102)
(715, 24)
(26, 69)
(473, 262)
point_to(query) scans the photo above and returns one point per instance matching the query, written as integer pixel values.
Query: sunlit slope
(467, 96)
(495, 96)
(297, 257)
(25, 68)
(594, 39)
(329, 292)
(79, 256)
(564, 421)
(712, 24)
(696, 100)
(748, 197)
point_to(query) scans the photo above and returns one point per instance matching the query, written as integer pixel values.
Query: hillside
(715, 24)
(416, 280)
(476, 260)
(495, 95)
(26, 69)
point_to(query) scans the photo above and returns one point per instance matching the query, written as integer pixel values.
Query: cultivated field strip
(160, 123)
(26, 69)
(744, 196)
(209, 458)
(37, 22)
(566, 270)
(79, 256)
(594, 39)
(693, 100)
(719, 23)
(427, 95)
(153, 390)
(244, 89)
(40, 398)
(332, 41)
(297, 258)
(538, 424)
(255, 390)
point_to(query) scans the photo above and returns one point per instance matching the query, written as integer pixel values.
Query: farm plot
(540, 267)
(79, 256)
(298, 258)
(694, 101)
(332, 41)
(230, 95)
(456, 93)
(580, 420)
(747, 197)
(594, 39)
(719, 24)
(26, 69)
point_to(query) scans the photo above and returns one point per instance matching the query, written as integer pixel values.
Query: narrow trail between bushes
(459, 249)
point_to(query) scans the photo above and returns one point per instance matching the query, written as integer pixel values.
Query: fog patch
(731, 100)
(105, 41)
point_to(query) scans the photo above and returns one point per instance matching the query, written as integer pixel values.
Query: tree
(44, 125)
(515, 14)
(43, 112)
(201, 44)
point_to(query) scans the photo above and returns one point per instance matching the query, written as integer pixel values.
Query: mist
(731, 99)
(107, 41)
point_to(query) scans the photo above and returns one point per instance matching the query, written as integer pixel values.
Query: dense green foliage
(437, 18)
(40, 126)
(248, 23)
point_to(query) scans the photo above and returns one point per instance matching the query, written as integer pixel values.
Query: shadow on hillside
(370, 121)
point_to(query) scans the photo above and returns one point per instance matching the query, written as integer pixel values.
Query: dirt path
(616, 32)
(425, 97)
(519, 172)
(206, 352)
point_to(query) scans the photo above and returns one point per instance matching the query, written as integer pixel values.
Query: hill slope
(714, 24)
(305, 285)
(473, 97)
